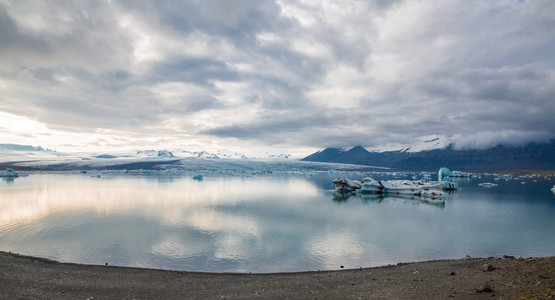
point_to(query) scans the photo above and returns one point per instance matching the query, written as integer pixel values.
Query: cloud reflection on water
(206, 218)
(260, 223)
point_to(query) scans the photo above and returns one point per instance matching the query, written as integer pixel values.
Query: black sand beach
(24, 277)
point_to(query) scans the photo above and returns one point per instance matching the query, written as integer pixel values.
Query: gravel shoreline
(26, 277)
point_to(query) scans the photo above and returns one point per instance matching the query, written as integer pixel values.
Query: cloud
(53, 34)
(288, 73)
(486, 139)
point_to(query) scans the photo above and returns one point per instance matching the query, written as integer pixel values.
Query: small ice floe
(553, 189)
(11, 173)
(444, 172)
(487, 184)
(346, 185)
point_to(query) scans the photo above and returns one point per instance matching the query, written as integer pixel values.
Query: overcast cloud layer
(292, 75)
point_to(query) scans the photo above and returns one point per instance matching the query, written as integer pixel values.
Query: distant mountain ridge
(160, 153)
(16, 147)
(532, 156)
(8, 150)
(224, 154)
(219, 154)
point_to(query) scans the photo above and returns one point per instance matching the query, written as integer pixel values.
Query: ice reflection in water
(263, 223)
(369, 197)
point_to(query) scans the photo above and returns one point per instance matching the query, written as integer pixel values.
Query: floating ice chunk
(446, 185)
(369, 185)
(444, 172)
(397, 187)
(346, 185)
(403, 187)
(11, 173)
(487, 184)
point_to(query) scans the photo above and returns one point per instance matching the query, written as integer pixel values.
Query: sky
(276, 76)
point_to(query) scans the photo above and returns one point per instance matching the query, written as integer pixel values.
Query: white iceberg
(346, 185)
(487, 184)
(368, 185)
(444, 172)
(407, 187)
(447, 185)
(11, 173)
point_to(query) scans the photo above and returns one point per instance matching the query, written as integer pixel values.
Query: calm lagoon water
(272, 223)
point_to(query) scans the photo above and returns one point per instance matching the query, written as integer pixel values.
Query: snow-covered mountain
(433, 155)
(154, 153)
(16, 147)
(230, 154)
(13, 152)
(225, 154)
(197, 154)
(427, 145)
(277, 155)
(37, 157)
(19, 151)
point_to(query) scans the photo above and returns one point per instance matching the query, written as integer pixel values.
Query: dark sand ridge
(26, 277)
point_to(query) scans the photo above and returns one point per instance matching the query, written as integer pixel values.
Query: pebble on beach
(488, 268)
(485, 288)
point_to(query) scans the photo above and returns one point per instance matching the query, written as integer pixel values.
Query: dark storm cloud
(500, 97)
(13, 41)
(268, 127)
(51, 33)
(338, 73)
